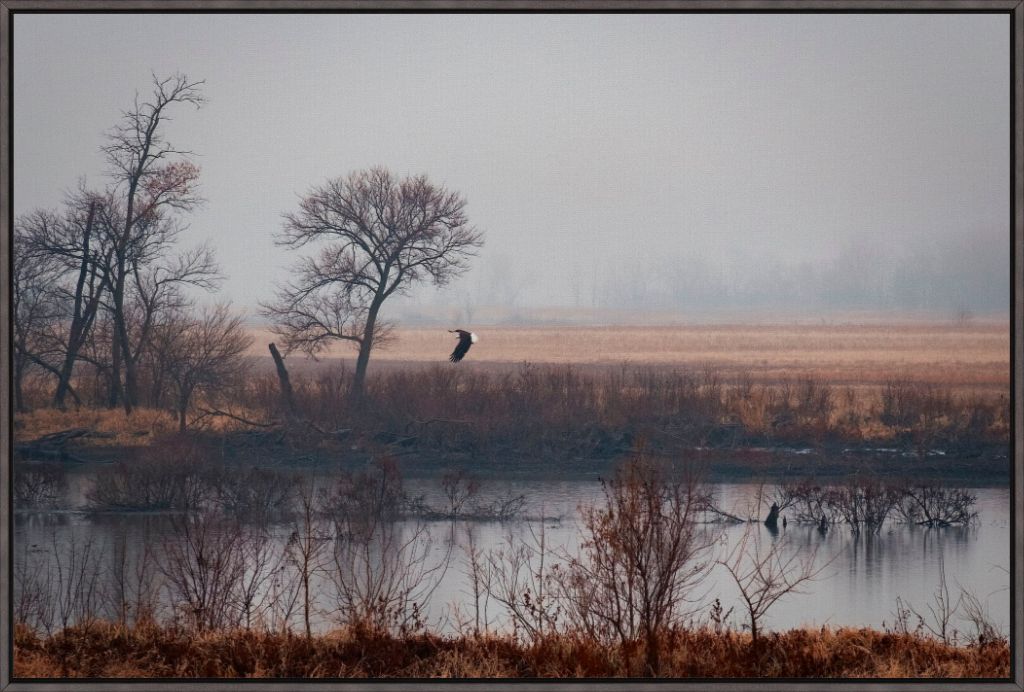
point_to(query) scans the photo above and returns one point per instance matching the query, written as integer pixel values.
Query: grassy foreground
(105, 650)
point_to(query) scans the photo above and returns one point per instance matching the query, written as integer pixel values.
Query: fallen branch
(240, 419)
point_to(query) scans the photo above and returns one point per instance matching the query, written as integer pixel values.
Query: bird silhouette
(466, 339)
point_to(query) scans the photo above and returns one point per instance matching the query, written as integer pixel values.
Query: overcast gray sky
(689, 163)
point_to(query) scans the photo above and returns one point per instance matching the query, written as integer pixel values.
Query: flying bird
(466, 339)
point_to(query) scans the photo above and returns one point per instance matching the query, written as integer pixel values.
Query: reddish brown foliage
(107, 650)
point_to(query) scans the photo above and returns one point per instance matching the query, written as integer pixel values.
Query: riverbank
(105, 650)
(585, 453)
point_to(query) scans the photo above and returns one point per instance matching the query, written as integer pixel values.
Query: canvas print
(510, 345)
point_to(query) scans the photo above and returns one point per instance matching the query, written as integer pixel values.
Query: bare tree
(764, 574)
(76, 251)
(202, 355)
(305, 549)
(376, 235)
(152, 179)
(644, 554)
(35, 309)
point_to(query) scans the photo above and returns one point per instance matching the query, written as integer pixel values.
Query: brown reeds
(106, 650)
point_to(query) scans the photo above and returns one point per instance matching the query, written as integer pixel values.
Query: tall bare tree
(152, 179)
(35, 309)
(375, 235)
(79, 252)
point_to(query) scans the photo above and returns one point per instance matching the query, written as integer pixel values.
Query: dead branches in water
(867, 503)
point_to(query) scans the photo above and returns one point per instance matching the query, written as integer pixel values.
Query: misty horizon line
(502, 317)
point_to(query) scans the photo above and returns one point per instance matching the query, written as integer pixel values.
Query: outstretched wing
(461, 348)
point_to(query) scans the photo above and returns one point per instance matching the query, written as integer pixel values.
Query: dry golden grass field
(963, 357)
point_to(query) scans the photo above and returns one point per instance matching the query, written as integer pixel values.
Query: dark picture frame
(1012, 9)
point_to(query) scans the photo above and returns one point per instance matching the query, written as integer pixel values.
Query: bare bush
(168, 476)
(132, 584)
(255, 493)
(864, 503)
(202, 563)
(38, 485)
(374, 494)
(975, 612)
(383, 571)
(202, 356)
(260, 561)
(765, 574)
(521, 580)
(810, 502)
(644, 555)
(480, 573)
(935, 505)
(459, 487)
(941, 608)
(305, 550)
(503, 508)
(76, 579)
(33, 584)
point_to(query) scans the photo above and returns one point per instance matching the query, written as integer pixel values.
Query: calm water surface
(864, 576)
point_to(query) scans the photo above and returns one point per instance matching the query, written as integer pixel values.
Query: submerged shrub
(169, 474)
(38, 485)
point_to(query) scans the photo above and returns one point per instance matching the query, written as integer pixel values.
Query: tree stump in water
(772, 522)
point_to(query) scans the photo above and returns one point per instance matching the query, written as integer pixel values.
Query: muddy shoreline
(979, 463)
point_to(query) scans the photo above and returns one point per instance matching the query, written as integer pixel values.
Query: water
(861, 577)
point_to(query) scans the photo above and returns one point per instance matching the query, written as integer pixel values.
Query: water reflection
(866, 572)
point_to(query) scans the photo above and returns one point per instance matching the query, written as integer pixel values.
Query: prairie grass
(971, 356)
(583, 391)
(105, 650)
(114, 428)
(582, 412)
(135, 429)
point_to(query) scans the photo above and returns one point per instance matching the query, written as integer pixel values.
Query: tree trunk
(122, 343)
(156, 394)
(305, 610)
(120, 319)
(131, 384)
(19, 394)
(184, 397)
(65, 377)
(653, 658)
(362, 362)
(79, 320)
(115, 371)
(365, 347)
(287, 399)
